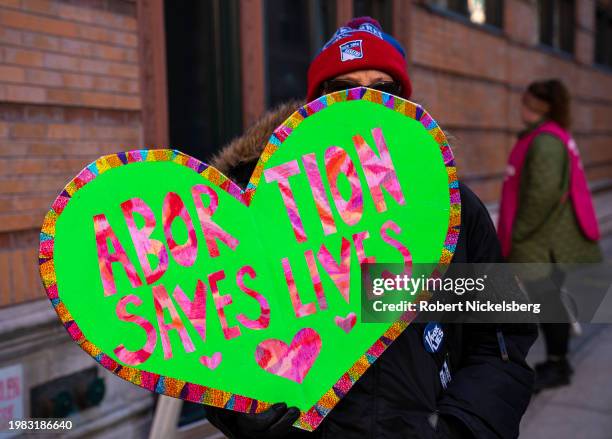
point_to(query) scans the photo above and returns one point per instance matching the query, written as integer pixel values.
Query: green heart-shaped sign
(176, 280)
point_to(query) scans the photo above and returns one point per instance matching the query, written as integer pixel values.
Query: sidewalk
(582, 410)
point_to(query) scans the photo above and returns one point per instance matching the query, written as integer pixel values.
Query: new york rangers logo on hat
(351, 50)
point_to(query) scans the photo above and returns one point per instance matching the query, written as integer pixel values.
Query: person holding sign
(434, 380)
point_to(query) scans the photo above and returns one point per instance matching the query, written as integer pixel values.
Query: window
(295, 32)
(489, 12)
(381, 10)
(603, 36)
(204, 75)
(556, 21)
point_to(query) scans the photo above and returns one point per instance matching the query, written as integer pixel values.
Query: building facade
(83, 78)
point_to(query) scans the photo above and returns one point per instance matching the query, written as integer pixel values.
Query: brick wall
(471, 80)
(69, 92)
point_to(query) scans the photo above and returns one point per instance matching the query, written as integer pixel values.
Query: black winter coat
(402, 389)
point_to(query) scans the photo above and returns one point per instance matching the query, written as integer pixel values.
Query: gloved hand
(449, 427)
(274, 423)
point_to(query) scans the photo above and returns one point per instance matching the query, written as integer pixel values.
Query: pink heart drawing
(346, 323)
(290, 361)
(211, 362)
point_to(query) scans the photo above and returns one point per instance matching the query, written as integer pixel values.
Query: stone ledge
(93, 422)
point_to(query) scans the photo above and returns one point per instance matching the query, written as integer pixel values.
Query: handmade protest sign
(175, 279)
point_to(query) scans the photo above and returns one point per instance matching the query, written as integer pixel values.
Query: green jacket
(545, 228)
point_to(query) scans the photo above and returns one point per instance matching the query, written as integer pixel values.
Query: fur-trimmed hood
(238, 158)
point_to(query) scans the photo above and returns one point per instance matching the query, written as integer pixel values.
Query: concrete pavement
(582, 410)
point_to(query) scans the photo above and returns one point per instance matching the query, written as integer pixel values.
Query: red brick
(36, 290)
(128, 102)
(21, 20)
(92, 99)
(76, 13)
(61, 62)
(40, 41)
(5, 279)
(22, 93)
(79, 114)
(23, 57)
(21, 221)
(96, 33)
(44, 77)
(103, 18)
(73, 80)
(25, 202)
(127, 86)
(36, 165)
(100, 132)
(89, 149)
(115, 53)
(585, 14)
(11, 74)
(109, 68)
(521, 21)
(17, 275)
(10, 36)
(41, 6)
(10, 3)
(68, 97)
(43, 113)
(29, 131)
(585, 47)
(19, 184)
(599, 173)
(64, 131)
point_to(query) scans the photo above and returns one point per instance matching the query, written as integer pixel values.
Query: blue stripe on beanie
(364, 24)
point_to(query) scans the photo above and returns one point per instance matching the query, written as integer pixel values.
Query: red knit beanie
(359, 45)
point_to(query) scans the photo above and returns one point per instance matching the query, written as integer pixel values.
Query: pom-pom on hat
(361, 44)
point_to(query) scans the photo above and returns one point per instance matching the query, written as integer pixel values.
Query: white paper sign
(11, 397)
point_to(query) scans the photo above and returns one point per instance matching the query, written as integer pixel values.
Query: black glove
(449, 427)
(273, 423)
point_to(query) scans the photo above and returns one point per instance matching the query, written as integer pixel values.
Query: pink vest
(578, 188)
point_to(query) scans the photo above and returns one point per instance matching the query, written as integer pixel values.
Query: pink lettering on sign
(319, 194)
(10, 388)
(133, 358)
(337, 162)
(212, 231)
(281, 174)
(384, 233)
(263, 320)
(316, 279)
(173, 208)
(104, 233)
(300, 309)
(339, 272)
(221, 301)
(379, 171)
(358, 239)
(163, 302)
(143, 243)
(195, 309)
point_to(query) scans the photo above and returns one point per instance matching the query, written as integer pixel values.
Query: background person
(401, 395)
(547, 215)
